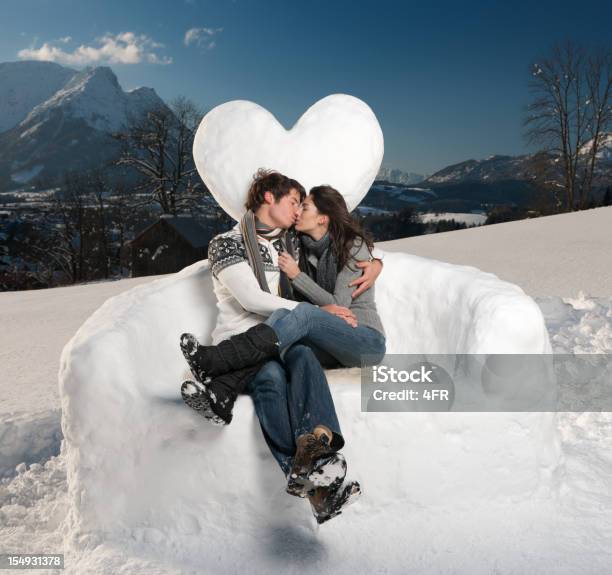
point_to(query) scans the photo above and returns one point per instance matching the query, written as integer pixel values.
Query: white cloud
(203, 37)
(123, 48)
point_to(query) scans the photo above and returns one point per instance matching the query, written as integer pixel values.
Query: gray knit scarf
(251, 227)
(326, 270)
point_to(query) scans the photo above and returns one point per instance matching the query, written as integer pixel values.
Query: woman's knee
(272, 371)
(305, 309)
(271, 375)
(376, 353)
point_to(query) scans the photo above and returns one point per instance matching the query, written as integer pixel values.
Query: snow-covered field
(468, 218)
(568, 532)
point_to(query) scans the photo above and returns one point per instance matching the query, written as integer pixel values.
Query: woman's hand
(287, 264)
(342, 312)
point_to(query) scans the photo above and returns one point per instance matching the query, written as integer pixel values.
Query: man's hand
(288, 265)
(345, 313)
(371, 271)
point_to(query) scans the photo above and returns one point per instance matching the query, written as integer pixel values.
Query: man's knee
(271, 378)
(276, 315)
(272, 371)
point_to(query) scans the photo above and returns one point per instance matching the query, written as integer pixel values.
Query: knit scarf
(326, 270)
(251, 227)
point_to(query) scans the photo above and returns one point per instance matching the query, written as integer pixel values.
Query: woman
(331, 243)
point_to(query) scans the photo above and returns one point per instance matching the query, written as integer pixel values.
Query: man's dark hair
(270, 181)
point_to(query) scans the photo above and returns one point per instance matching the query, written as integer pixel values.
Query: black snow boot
(328, 502)
(214, 399)
(310, 448)
(257, 344)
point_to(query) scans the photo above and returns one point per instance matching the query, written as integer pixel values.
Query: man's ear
(268, 198)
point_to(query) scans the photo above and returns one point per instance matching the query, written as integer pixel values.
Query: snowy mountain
(80, 115)
(491, 169)
(604, 151)
(497, 168)
(95, 96)
(24, 85)
(395, 176)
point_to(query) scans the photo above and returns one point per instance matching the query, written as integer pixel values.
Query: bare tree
(98, 187)
(570, 114)
(68, 206)
(78, 237)
(158, 145)
(548, 196)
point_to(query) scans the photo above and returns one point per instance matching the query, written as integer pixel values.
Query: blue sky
(447, 80)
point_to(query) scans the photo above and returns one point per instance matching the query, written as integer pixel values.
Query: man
(291, 398)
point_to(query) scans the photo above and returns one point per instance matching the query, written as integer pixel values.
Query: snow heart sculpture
(337, 141)
(145, 470)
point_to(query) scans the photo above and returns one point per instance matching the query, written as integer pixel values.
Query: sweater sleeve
(240, 280)
(312, 290)
(342, 292)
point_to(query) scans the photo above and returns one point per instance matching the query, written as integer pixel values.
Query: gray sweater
(363, 306)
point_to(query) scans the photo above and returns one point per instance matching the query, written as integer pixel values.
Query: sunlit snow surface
(567, 533)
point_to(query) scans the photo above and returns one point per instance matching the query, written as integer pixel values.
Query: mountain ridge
(71, 128)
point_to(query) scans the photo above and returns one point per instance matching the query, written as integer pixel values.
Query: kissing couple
(294, 282)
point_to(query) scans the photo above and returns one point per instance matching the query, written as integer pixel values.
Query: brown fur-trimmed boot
(315, 463)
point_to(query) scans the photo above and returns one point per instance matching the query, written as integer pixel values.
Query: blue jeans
(291, 398)
(334, 341)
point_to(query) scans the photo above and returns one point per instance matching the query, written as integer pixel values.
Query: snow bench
(141, 464)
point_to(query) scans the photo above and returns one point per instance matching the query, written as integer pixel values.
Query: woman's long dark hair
(343, 229)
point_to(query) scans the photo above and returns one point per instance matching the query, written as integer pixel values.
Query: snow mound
(142, 467)
(28, 438)
(579, 325)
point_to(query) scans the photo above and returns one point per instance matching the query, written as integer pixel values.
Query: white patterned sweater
(240, 301)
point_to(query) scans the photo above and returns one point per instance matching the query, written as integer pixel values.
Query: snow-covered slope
(24, 85)
(554, 255)
(568, 534)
